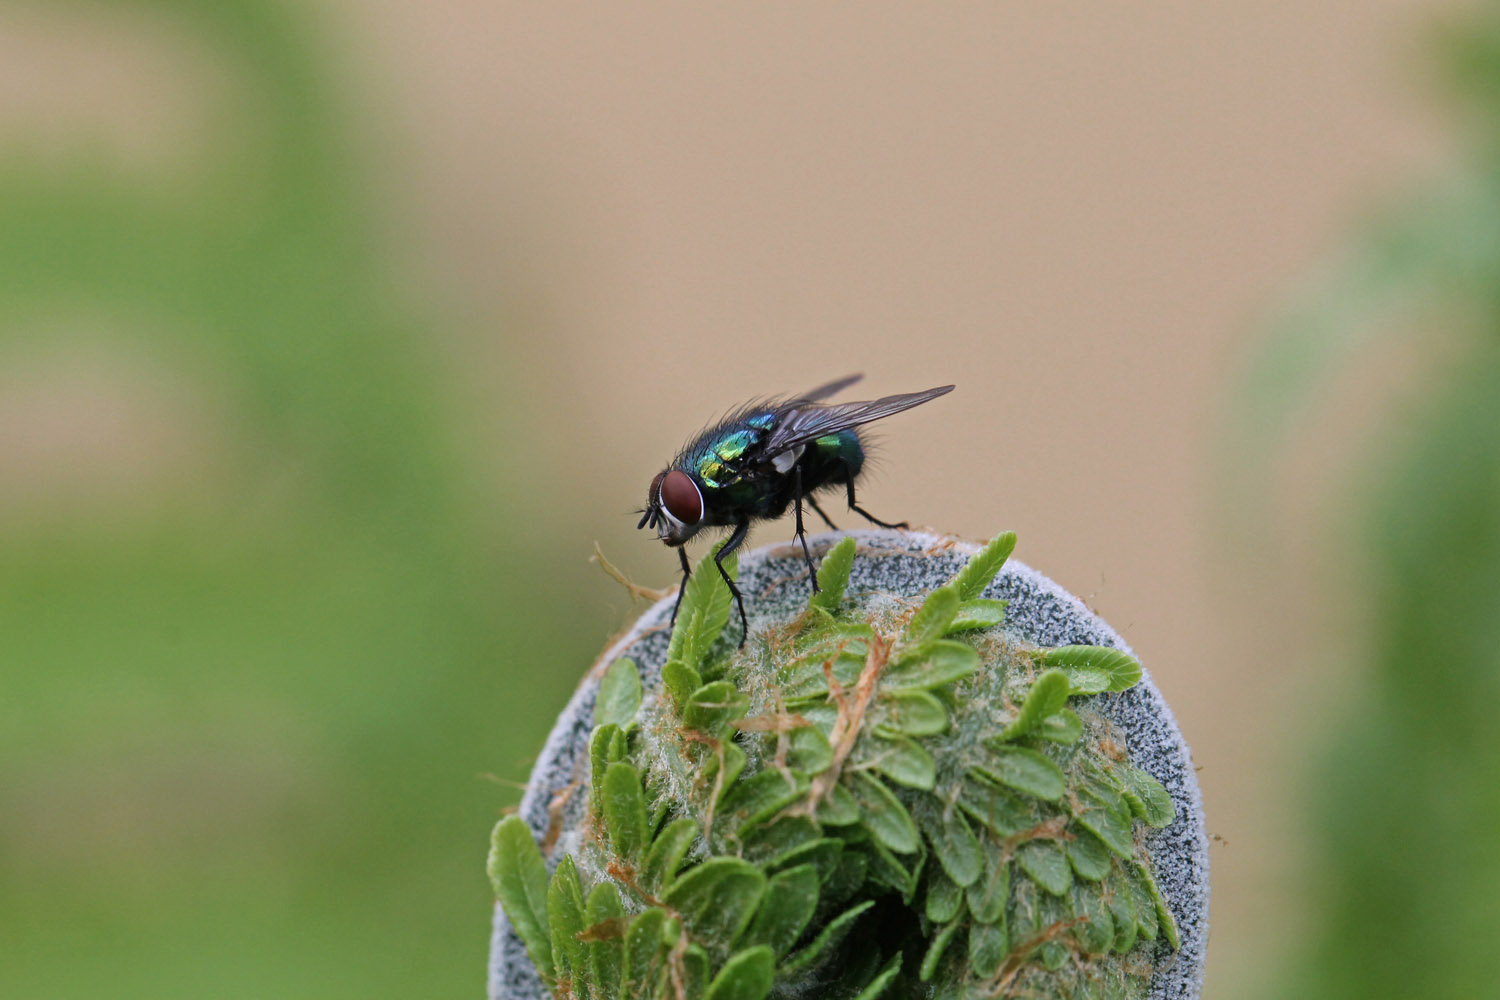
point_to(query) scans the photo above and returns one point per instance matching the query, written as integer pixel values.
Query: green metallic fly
(764, 457)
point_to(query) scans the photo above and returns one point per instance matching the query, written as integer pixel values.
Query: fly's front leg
(801, 535)
(741, 529)
(849, 487)
(687, 573)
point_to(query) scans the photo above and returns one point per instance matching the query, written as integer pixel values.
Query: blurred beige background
(1077, 212)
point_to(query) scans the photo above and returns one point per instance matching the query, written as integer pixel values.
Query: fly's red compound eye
(680, 497)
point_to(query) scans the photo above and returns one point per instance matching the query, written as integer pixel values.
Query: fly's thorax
(721, 459)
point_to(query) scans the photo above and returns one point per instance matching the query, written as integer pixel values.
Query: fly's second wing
(824, 391)
(807, 423)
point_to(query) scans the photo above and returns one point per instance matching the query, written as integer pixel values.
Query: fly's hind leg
(849, 488)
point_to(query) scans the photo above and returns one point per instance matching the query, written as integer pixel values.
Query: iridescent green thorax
(718, 461)
(717, 464)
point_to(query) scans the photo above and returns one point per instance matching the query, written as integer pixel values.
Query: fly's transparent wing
(804, 424)
(824, 391)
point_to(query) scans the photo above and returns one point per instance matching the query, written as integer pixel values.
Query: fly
(760, 460)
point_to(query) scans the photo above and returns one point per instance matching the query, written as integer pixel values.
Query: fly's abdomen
(838, 456)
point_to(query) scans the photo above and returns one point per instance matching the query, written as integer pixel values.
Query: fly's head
(674, 507)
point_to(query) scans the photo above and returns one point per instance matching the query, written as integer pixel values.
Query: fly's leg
(687, 573)
(814, 505)
(849, 487)
(801, 536)
(741, 529)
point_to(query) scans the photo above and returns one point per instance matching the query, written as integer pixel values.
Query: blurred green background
(266, 626)
(333, 336)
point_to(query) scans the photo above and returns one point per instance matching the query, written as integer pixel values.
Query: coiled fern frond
(871, 798)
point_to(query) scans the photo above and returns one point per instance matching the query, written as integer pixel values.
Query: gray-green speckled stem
(774, 580)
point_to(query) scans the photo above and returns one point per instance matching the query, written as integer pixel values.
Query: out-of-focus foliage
(242, 724)
(1401, 890)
